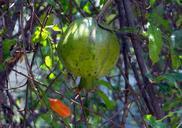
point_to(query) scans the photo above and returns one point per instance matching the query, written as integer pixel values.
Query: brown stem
(156, 109)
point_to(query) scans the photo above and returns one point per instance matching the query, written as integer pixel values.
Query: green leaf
(177, 76)
(36, 35)
(86, 8)
(64, 28)
(44, 34)
(48, 61)
(156, 18)
(44, 43)
(179, 2)
(170, 77)
(36, 38)
(149, 118)
(176, 48)
(179, 21)
(102, 2)
(7, 44)
(109, 104)
(51, 2)
(153, 122)
(172, 105)
(2, 67)
(65, 5)
(168, 83)
(155, 42)
(104, 83)
(176, 40)
(176, 61)
(110, 18)
(152, 2)
(48, 120)
(60, 65)
(56, 28)
(52, 76)
(50, 18)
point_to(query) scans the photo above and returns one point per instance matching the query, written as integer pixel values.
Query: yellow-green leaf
(52, 76)
(44, 43)
(56, 28)
(155, 42)
(36, 35)
(48, 61)
(86, 8)
(44, 34)
(109, 103)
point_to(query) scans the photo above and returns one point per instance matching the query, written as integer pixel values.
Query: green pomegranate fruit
(88, 51)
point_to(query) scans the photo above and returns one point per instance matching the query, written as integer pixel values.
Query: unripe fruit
(88, 50)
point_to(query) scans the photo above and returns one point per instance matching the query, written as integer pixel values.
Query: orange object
(59, 107)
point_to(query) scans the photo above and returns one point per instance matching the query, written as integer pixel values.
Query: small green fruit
(88, 50)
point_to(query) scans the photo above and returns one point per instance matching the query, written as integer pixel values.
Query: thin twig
(92, 4)
(104, 9)
(79, 9)
(83, 110)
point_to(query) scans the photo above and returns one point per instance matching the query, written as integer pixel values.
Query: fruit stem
(87, 83)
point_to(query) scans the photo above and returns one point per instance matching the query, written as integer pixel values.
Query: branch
(104, 9)
(156, 110)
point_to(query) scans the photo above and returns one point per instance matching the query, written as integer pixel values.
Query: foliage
(142, 90)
